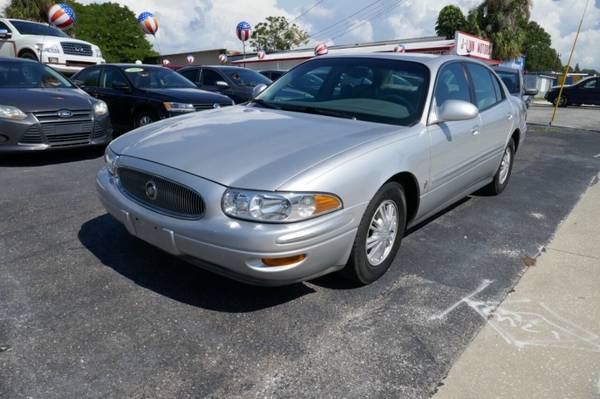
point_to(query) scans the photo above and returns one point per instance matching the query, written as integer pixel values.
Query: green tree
(450, 19)
(114, 28)
(34, 10)
(537, 49)
(110, 26)
(500, 21)
(277, 34)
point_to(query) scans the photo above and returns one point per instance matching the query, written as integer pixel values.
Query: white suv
(47, 44)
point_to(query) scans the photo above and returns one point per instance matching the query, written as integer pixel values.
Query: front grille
(60, 132)
(33, 135)
(73, 48)
(170, 198)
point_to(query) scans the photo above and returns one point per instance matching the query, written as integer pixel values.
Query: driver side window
(452, 84)
(112, 77)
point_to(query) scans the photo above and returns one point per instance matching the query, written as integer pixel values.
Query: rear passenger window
(89, 77)
(191, 74)
(452, 84)
(497, 88)
(483, 85)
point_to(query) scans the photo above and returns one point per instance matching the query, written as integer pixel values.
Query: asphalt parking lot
(89, 311)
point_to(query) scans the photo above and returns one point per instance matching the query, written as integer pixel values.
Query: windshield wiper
(319, 111)
(264, 103)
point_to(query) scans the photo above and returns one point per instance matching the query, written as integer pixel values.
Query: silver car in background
(322, 171)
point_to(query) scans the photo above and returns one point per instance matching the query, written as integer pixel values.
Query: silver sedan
(323, 171)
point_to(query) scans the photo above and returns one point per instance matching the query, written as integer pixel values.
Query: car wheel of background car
(144, 118)
(379, 235)
(29, 55)
(563, 101)
(504, 171)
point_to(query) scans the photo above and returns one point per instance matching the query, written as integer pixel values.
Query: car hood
(36, 100)
(191, 96)
(247, 147)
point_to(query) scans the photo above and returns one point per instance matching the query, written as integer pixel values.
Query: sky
(189, 25)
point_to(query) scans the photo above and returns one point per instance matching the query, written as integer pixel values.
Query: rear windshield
(30, 75)
(511, 80)
(31, 28)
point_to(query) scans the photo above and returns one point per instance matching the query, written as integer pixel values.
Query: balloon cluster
(321, 49)
(61, 16)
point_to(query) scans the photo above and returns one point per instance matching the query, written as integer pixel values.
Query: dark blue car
(141, 94)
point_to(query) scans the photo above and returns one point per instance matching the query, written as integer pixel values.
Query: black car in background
(234, 82)
(141, 94)
(42, 110)
(586, 91)
(514, 82)
(273, 74)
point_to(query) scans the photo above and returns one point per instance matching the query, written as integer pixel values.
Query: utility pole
(564, 78)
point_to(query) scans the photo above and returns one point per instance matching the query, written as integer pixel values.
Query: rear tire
(379, 235)
(504, 171)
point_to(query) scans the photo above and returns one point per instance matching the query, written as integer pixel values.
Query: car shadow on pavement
(174, 278)
(42, 158)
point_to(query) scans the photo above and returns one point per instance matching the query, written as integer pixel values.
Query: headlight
(179, 107)
(100, 108)
(277, 207)
(54, 49)
(97, 52)
(111, 161)
(10, 112)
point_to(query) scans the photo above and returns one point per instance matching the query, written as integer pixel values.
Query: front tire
(144, 118)
(504, 171)
(379, 235)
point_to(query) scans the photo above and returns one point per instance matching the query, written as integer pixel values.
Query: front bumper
(32, 135)
(228, 246)
(69, 64)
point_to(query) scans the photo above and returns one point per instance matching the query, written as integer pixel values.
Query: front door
(455, 145)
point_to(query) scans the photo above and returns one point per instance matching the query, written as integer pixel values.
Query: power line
(356, 24)
(318, 33)
(306, 11)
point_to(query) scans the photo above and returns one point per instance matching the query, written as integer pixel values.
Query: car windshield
(31, 28)
(511, 80)
(30, 75)
(247, 77)
(369, 89)
(157, 78)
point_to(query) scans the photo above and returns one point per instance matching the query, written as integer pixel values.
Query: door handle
(475, 131)
(509, 116)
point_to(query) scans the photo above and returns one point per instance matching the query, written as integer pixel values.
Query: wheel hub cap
(382, 233)
(505, 165)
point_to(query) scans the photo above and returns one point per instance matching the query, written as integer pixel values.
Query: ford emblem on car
(65, 113)
(151, 190)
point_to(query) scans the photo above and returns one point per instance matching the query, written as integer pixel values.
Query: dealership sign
(472, 45)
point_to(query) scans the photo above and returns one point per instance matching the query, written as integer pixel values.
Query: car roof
(433, 61)
(125, 66)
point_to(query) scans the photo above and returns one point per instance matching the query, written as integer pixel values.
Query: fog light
(290, 260)
(3, 139)
(52, 60)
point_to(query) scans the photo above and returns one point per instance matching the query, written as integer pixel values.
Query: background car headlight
(111, 161)
(179, 107)
(53, 49)
(277, 207)
(10, 112)
(100, 108)
(97, 52)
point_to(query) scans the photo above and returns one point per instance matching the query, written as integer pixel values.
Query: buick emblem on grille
(151, 190)
(64, 113)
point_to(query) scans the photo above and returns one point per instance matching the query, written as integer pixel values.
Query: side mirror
(221, 84)
(121, 86)
(78, 83)
(258, 89)
(455, 110)
(4, 34)
(531, 92)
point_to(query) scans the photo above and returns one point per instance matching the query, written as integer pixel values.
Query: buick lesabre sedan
(302, 182)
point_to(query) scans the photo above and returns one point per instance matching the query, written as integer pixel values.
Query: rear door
(589, 92)
(495, 113)
(455, 145)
